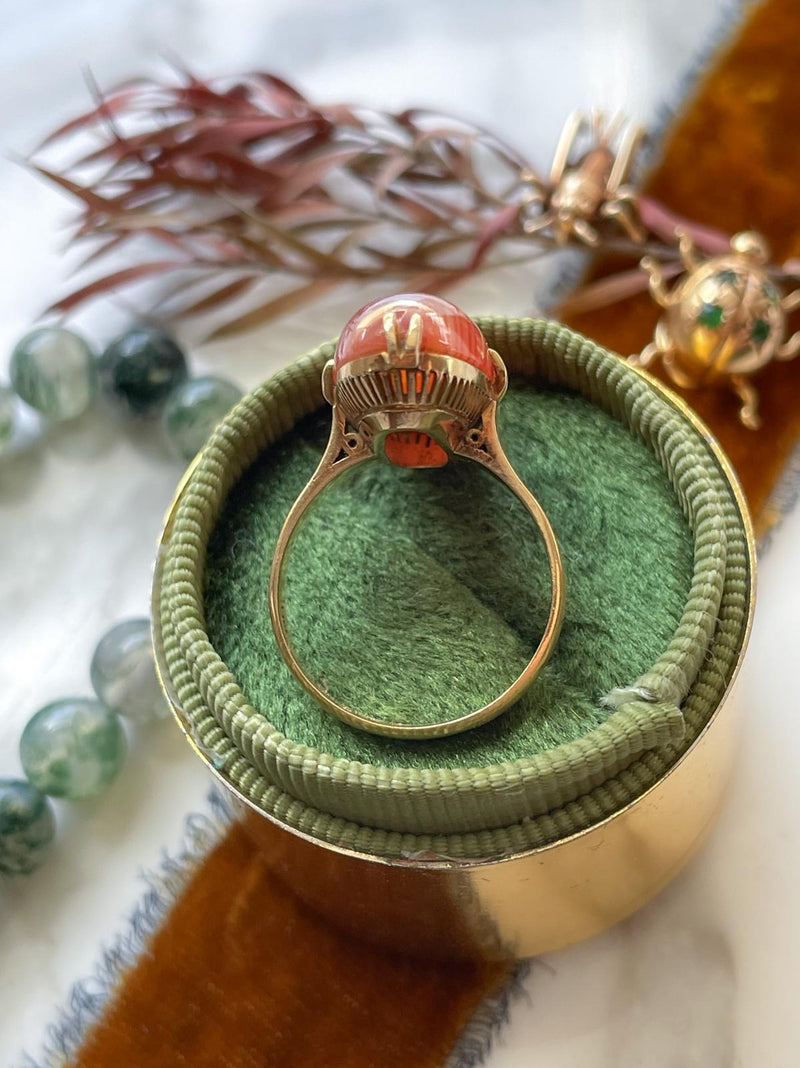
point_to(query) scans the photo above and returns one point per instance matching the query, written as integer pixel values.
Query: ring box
(572, 809)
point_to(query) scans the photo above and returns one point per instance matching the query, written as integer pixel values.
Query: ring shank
(333, 463)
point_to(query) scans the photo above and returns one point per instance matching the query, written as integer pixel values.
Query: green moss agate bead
(27, 826)
(72, 748)
(123, 673)
(7, 416)
(53, 370)
(194, 409)
(141, 368)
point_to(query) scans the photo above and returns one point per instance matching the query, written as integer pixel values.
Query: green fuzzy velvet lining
(419, 595)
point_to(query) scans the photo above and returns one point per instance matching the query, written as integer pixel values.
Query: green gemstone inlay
(727, 276)
(760, 331)
(27, 826)
(72, 748)
(710, 315)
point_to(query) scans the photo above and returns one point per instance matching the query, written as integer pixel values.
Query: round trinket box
(425, 591)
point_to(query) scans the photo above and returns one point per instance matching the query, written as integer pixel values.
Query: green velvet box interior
(421, 594)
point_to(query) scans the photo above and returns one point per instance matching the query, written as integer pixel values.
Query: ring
(413, 382)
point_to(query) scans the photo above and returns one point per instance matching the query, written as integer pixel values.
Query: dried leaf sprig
(244, 191)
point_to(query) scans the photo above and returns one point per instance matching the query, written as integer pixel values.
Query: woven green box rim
(649, 722)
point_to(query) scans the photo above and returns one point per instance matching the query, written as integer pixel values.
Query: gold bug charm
(579, 196)
(725, 320)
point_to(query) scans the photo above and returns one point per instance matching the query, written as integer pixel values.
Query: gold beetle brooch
(725, 320)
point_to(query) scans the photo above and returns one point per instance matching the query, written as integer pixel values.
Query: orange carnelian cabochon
(410, 448)
(445, 331)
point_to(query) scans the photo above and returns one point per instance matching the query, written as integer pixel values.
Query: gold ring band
(414, 382)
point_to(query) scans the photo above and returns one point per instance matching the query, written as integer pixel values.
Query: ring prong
(500, 384)
(327, 381)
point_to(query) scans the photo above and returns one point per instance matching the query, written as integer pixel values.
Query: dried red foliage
(246, 192)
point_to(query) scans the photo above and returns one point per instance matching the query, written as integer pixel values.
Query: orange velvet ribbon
(244, 975)
(240, 973)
